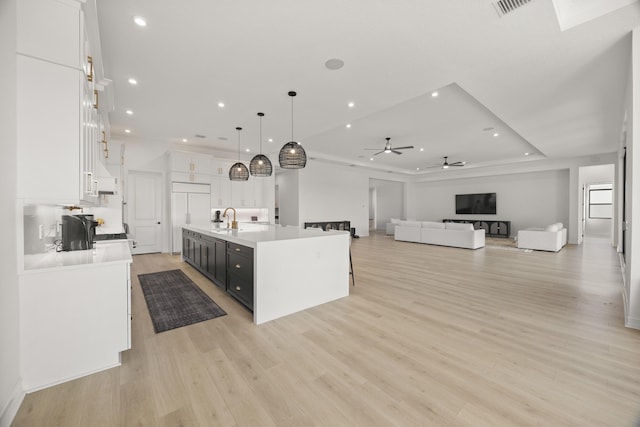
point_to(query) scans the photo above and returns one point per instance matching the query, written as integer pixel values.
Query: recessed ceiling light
(371, 158)
(496, 134)
(526, 154)
(247, 150)
(417, 169)
(334, 64)
(434, 94)
(127, 131)
(140, 21)
(348, 125)
(351, 105)
(132, 81)
(422, 149)
(184, 139)
(270, 139)
(129, 112)
(221, 104)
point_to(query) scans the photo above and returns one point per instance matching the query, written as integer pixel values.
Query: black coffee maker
(78, 232)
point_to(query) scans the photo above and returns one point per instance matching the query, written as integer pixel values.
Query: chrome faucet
(234, 223)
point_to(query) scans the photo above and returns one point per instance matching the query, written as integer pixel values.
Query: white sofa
(391, 225)
(440, 233)
(551, 238)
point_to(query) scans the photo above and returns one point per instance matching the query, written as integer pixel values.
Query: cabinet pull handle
(94, 188)
(95, 96)
(237, 288)
(90, 62)
(237, 249)
(237, 265)
(88, 182)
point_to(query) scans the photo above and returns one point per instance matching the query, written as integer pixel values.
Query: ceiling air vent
(507, 6)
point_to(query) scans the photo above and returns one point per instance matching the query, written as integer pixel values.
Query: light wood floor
(430, 336)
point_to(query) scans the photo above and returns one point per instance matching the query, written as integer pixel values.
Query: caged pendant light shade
(260, 164)
(238, 172)
(292, 155)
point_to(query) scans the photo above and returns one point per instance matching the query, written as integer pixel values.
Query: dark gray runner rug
(174, 300)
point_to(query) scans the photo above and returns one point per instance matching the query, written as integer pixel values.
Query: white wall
(389, 201)
(10, 385)
(632, 251)
(331, 192)
(531, 199)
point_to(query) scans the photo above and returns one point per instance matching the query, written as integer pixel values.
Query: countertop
(102, 253)
(250, 234)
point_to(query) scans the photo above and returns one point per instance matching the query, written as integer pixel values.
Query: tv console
(492, 228)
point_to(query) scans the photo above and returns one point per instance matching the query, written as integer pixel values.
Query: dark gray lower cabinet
(228, 265)
(240, 273)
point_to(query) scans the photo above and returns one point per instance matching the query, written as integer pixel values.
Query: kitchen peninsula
(272, 270)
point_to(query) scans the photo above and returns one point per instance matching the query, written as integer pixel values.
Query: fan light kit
(389, 149)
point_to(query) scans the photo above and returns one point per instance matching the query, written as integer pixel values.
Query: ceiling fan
(446, 164)
(389, 149)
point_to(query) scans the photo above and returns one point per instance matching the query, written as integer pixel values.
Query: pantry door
(145, 211)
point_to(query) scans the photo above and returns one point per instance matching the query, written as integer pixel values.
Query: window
(601, 201)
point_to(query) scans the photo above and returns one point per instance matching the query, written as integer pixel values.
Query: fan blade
(379, 152)
(457, 164)
(396, 152)
(403, 148)
(371, 148)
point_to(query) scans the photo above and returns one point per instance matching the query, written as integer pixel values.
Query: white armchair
(391, 225)
(551, 238)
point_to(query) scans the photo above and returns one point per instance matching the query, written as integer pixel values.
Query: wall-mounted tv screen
(484, 203)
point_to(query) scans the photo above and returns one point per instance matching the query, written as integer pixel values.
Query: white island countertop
(102, 253)
(250, 235)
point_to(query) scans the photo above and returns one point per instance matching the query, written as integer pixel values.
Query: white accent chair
(551, 238)
(391, 225)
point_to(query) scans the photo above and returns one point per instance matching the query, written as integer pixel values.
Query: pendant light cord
(292, 118)
(238, 129)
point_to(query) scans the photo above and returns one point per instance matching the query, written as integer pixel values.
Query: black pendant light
(238, 171)
(292, 155)
(260, 164)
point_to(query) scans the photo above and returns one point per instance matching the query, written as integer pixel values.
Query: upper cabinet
(189, 167)
(50, 30)
(59, 127)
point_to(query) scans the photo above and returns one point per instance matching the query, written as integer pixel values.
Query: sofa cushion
(416, 224)
(433, 224)
(394, 220)
(552, 227)
(458, 226)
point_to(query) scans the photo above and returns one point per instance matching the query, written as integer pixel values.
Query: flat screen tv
(484, 203)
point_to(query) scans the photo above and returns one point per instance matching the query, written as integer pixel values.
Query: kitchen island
(272, 270)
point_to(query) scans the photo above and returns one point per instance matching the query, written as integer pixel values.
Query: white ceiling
(545, 91)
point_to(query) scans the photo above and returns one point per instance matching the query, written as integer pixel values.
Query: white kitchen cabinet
(73, 321)
(189, 167)
(221, 184)
(56, 160)
(58, 143)
(49, 30)
(243, 193)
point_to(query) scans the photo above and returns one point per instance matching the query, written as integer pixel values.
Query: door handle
(158, 222)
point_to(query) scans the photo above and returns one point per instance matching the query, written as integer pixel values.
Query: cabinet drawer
(241, 289)
(241, 266)
(239, 250)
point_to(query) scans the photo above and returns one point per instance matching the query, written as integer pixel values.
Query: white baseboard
(633, 323)
(11, 408)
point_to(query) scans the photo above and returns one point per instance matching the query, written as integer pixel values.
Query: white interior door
(145, 211)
